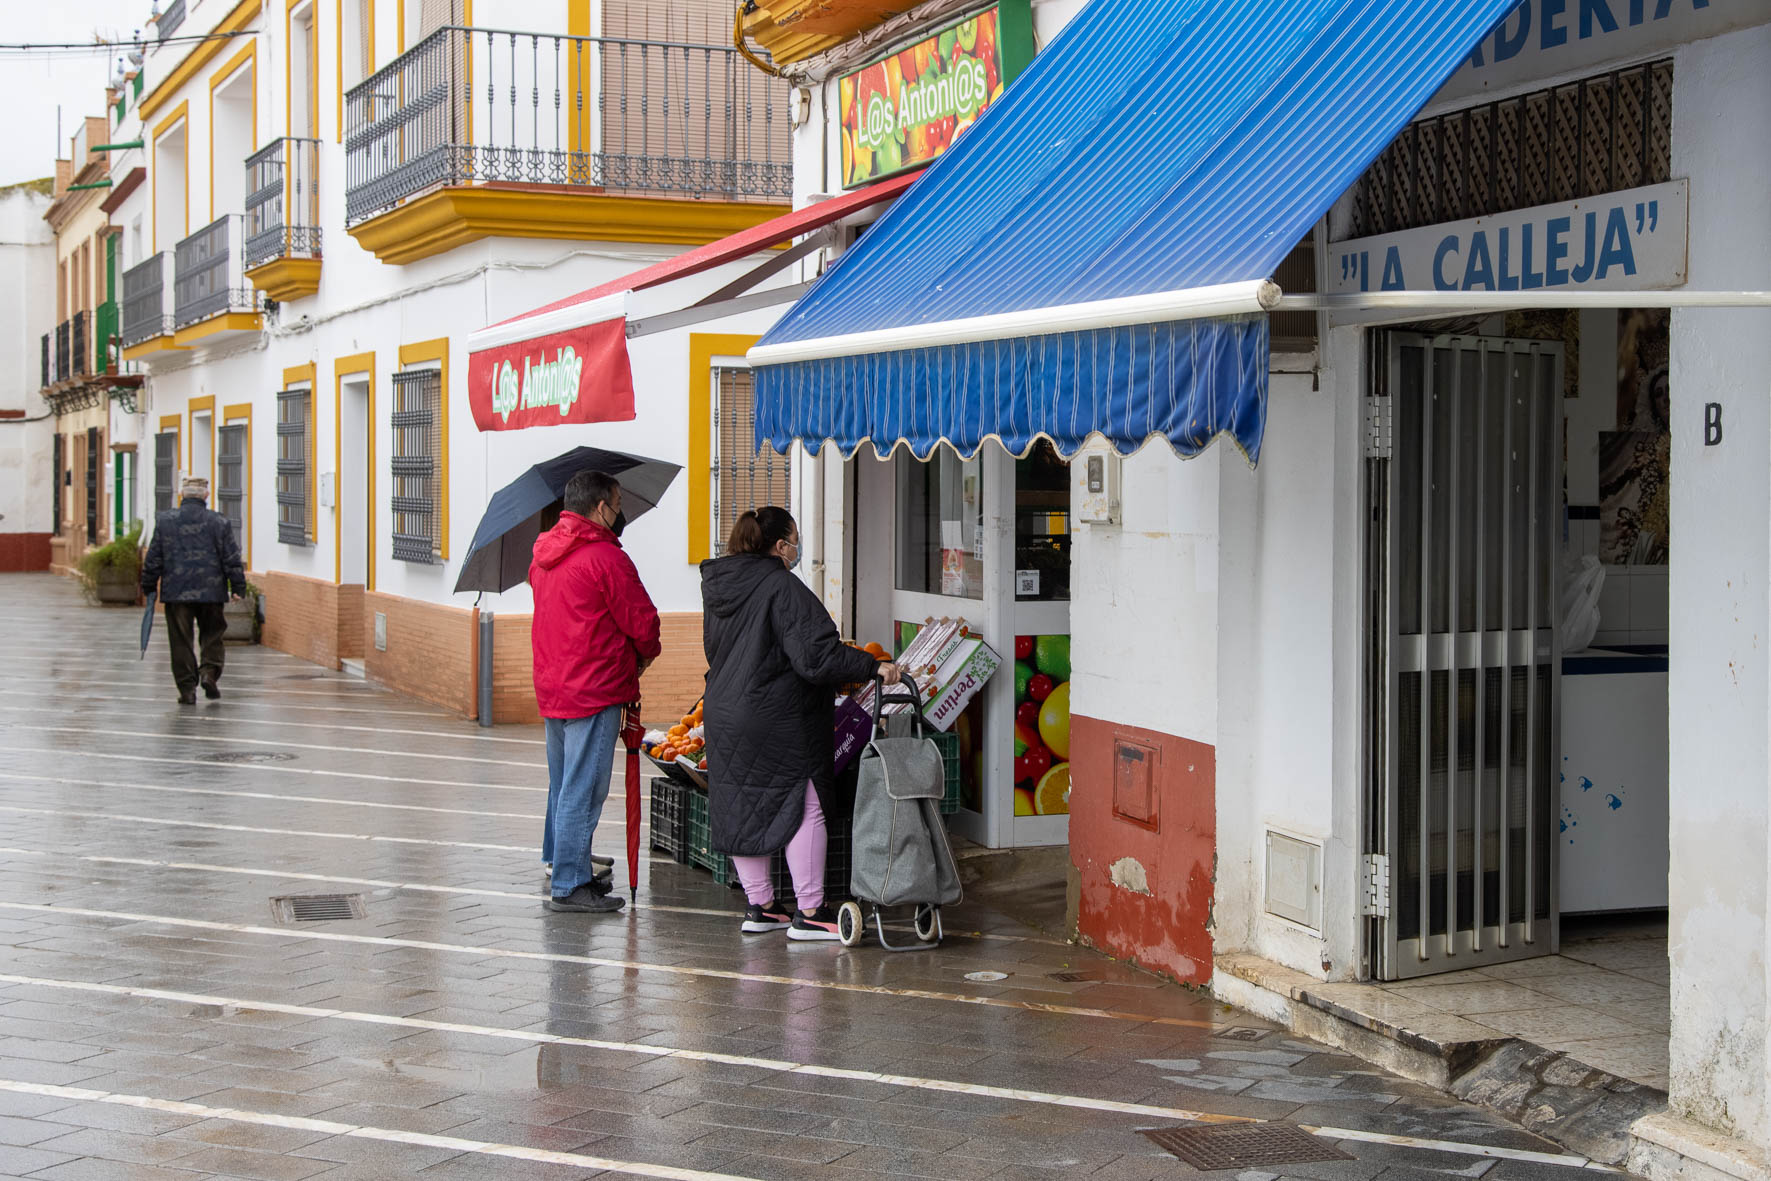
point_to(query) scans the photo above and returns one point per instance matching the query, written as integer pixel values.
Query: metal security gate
(1464, 472)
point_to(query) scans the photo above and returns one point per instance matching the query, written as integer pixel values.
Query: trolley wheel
(850, 926)
(928, 923)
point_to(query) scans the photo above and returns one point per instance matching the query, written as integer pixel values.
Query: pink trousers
(805, 861)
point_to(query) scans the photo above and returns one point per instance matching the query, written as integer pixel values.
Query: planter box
(115, 587)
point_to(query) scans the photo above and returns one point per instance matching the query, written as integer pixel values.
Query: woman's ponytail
(757, 531)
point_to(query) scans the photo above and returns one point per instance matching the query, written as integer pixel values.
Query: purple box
(854, 729)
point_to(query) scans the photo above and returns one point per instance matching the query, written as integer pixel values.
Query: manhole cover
(1243, 1146)
(986, 977)
(248, 756)
(317, 908)
(1072, 977)
(1241, 1033)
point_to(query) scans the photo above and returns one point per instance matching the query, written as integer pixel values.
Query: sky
(32, 85)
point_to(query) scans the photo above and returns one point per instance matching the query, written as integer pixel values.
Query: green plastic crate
(949, 745)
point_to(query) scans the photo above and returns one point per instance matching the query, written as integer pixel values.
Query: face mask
(794, 565)
(618, 524)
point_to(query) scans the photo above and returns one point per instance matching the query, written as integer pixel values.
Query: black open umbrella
(504, 543)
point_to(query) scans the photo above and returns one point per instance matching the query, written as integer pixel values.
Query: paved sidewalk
(158, 1022)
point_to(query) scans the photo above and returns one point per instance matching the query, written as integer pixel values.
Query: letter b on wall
(1712, 424)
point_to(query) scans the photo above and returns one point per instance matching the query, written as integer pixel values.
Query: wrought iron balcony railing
(147, 308)
(283, 202)
(48, 363)
(169, 20)
(64, 349)
(650, 118)
(208, 276)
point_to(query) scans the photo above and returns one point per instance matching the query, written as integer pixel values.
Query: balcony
(147, 312)
(282, 255)
(77, 370)
(480, 132)
(211, 295)
(169, 20)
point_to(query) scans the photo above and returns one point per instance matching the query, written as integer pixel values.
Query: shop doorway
(985, 540)
(1463, 713)
(355, 493)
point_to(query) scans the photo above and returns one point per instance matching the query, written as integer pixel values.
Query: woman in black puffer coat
(774, 662)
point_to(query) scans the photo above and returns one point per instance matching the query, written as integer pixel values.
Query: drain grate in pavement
(1241, 1033)
(249, 756)
(1242, 1146)
(1073, 977)
(317, 908)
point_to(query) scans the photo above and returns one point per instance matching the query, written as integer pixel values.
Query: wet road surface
(158, 1021)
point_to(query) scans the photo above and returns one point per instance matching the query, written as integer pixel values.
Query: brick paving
(156, 1021)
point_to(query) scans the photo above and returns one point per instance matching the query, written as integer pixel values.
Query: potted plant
(112, 572)
(243, 618)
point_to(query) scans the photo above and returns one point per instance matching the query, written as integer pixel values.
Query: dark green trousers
(211, 625)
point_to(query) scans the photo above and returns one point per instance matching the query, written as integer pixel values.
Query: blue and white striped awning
(1091, 258)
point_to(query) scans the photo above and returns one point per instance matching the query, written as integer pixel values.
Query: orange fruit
(1052, 796)
(669, 754)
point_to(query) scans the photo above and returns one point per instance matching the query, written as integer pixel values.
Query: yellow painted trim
(368, 32)
(242, 412)
(164, 127)
(201, 55)
(146, 348)
(342, 368)
(228, 69)
(313, 67)
(293, 377)
(418, 354)
(703, 348)
(286, 279)
(175, 424)
(196, 406)
(400, 26)
(444, 220)
(226, 322)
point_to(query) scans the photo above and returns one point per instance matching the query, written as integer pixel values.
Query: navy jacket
(193, 557)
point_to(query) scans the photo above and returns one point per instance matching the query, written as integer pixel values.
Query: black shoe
(814, 926)
(210, 690)
(188, 697)
(585, 900)
(758, 919)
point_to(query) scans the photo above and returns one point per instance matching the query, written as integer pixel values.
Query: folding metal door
(1464, 475)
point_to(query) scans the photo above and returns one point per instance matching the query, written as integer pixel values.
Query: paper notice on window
(952, 559)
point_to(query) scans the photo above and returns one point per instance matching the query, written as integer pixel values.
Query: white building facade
(27, 264)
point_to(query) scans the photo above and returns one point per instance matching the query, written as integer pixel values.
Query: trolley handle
(906, 693)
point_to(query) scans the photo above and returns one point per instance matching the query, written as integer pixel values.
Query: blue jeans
(580, 759)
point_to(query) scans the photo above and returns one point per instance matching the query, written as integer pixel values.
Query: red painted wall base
(23, 552)
(1143, 838)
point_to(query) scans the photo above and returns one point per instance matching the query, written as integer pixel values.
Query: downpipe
(485, 672)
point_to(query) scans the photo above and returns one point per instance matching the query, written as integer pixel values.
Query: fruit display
(1042, 725)
(906, 109)
(687, 740)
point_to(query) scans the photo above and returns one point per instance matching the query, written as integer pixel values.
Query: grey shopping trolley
(900, 852)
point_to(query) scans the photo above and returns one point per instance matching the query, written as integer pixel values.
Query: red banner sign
(579, 375)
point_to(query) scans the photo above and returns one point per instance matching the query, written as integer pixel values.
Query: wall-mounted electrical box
(1097, 493)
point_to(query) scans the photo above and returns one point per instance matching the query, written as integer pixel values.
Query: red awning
(567, 361)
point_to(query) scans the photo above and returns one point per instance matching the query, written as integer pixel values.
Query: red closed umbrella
(634, 735)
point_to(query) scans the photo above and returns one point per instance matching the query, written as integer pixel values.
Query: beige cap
(194, 486)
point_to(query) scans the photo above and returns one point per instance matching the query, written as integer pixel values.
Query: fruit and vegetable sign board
(579, 375)
(1042, 725)
(904, 110)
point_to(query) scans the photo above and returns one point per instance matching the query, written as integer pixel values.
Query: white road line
(265, 795)
(235, 740)
(361, 1132)
(282, 832)
(233, 767)
(424, 887)
(465, 733)
(787, 1066)
(618, 965)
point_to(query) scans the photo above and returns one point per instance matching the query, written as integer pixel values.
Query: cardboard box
(958, 678)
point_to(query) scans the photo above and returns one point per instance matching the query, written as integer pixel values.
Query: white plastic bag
(1582, 580)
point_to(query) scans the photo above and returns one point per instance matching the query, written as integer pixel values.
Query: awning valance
(567, 361)
(1091, 257)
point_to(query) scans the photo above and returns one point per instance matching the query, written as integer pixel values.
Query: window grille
(745, 476)
(165, 471)
(230, 477)
(1598, 135)
(93, 464)
(295, 478)
(418, 448)
(60, 477)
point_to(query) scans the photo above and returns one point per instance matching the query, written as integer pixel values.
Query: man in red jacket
(595, 631)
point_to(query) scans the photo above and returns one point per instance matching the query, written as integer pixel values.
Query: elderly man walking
(194, 563)
(595, 630)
